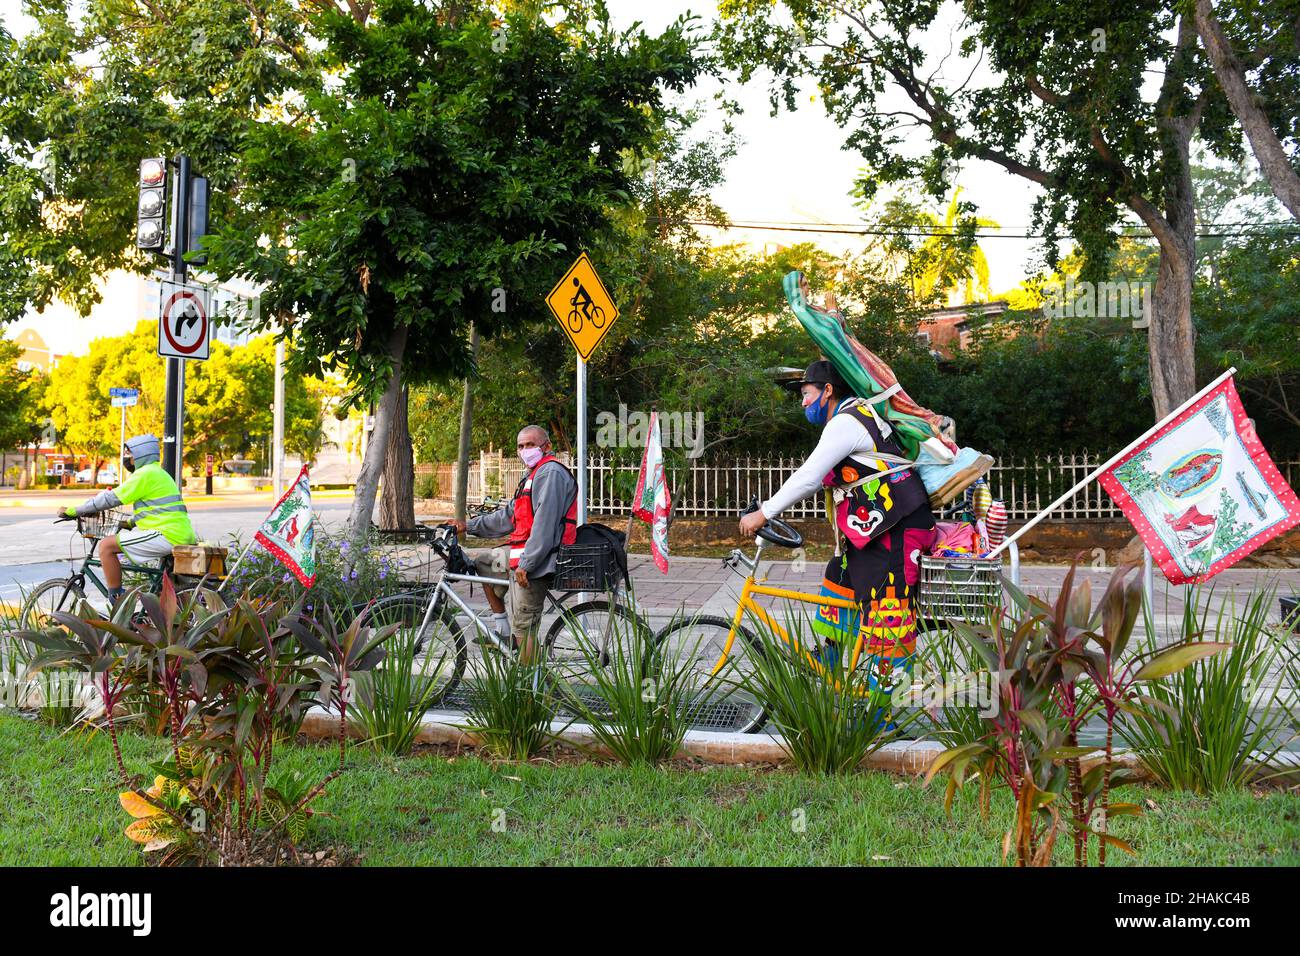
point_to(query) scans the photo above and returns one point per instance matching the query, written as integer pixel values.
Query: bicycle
(439, 616)
(64, 594)
(578, 315)
(977, 582)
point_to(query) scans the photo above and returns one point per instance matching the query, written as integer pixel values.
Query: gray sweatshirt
(553, 491)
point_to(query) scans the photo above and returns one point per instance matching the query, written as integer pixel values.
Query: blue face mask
(818, 411)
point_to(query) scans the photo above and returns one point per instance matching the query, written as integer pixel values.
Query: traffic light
(150, 233)
(198, 218)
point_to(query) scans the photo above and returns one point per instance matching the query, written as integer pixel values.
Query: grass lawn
(60, 808)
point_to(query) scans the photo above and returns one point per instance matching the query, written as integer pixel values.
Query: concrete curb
(910, 757)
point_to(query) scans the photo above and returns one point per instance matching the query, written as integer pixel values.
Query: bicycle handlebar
(776, 531)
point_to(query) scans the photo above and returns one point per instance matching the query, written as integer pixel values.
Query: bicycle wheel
(722, 702)
(439, 647)
(57, 594)
(597, 316)
(580, 637)
(575, 321)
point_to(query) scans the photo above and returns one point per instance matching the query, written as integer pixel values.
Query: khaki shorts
(523, 605)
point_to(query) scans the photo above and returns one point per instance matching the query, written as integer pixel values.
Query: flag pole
(1111, 461)
(240, 560)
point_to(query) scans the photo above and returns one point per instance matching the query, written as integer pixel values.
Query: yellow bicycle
(948, 589)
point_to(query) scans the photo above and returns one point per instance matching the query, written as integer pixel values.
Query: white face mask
(531, 456)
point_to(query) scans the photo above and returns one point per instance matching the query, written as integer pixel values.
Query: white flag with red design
(1201, 490)
(288, 531)
(652, 501)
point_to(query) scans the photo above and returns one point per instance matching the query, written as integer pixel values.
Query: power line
(834, 229)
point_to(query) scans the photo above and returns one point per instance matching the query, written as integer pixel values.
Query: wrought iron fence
(721, 488)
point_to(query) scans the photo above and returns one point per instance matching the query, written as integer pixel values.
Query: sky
(789, 168)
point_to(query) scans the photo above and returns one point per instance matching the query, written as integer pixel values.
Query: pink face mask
(531, 456)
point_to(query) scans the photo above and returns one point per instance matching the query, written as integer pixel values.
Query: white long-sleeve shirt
(843, 436)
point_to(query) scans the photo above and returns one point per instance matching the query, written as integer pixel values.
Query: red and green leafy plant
(1054, 668)
(236, 679)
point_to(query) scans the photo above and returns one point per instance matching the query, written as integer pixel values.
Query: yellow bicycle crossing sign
(583, 306)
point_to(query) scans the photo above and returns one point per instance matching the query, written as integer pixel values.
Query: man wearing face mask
(542, 515)
(159, 521)
(883, 526)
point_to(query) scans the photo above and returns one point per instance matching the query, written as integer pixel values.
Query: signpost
(122, 398)
(586, 312)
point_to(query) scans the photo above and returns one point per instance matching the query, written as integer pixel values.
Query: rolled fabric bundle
(996, 522)
(980, 499)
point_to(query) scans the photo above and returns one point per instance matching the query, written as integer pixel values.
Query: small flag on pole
(651, 501)
(288, 531)
(1200, 488)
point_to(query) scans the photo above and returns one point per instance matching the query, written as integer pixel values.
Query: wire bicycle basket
(101, 524)
(409, 552)
(959, 588)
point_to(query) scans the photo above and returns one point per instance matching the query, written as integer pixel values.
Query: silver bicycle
(450, 635)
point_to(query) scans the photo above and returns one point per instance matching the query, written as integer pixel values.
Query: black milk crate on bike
(586, 567)
(101, 524)
(960, 588)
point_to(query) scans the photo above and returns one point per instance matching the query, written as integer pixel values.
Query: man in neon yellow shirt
(160, 520)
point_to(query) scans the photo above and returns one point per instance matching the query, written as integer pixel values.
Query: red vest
(524, 516)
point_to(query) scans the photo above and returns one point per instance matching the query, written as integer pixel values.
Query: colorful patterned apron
(886, 525)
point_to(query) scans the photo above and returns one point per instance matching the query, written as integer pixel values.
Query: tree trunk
(372, 463)
(1272, 158)
(466, 435)
(397, 506)
(1171, 337)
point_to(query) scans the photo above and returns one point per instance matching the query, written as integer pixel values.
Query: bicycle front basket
(407, 553)
(101, 524)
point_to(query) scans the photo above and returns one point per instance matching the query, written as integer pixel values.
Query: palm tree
(950, 259)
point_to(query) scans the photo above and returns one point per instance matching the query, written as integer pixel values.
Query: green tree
(452, 172)
(228, 397)
(1247, 317)
(95, 87)
(1255, 52)
(1068, 104)
(946, 259)
(23, 409)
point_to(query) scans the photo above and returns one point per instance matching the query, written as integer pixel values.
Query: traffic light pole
(174, 413)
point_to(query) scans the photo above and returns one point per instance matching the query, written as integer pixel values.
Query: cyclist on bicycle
(159, 522)
(581, 300)
(886, 524)
(542, 515)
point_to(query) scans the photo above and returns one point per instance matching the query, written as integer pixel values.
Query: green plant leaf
(1174, 659)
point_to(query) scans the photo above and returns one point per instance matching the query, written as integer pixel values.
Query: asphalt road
(33, 548)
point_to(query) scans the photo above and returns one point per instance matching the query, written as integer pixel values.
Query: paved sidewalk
(703, 584)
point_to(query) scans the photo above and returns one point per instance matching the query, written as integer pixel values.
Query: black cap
(820, 372)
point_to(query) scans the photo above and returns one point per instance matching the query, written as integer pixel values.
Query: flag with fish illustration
(1201, 490)
(651, 500)
(288, 531)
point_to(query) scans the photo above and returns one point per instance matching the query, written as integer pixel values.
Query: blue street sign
(123, 397)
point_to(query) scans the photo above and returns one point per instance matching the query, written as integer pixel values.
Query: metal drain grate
(717, 715)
